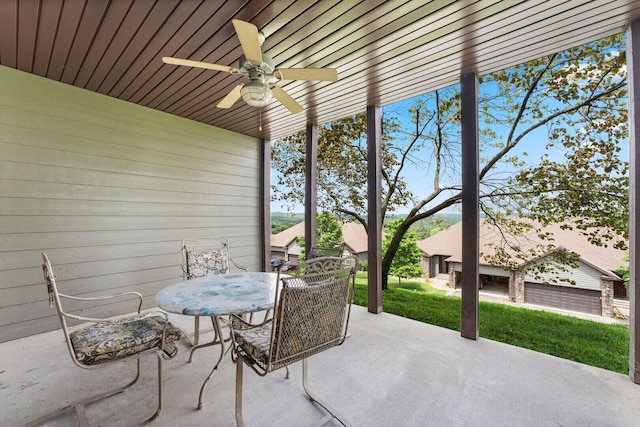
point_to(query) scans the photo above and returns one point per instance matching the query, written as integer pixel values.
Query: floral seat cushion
(104, 342)
(255, 341)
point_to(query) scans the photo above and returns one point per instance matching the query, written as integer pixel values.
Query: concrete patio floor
(391, 372)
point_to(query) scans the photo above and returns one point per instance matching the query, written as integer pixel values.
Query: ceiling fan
(261, 71)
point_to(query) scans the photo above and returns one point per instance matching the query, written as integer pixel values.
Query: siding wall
(585, 277)
(109, 189)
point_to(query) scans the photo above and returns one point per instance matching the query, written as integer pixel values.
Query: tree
(406, 262)
(328, 232)
(623, 271)
(328, 229)
(578, 97)
(432, 225)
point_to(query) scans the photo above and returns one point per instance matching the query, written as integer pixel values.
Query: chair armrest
(238, 266)
(104, 297)
(119, 319)
(288, 266)
(237, 322)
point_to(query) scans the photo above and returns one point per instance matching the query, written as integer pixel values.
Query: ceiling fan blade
(248, 35)
(231, 98)
(323, 74)
(286, 100)
(196, 64)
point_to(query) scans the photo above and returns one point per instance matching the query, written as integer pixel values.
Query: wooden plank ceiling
(384, 51)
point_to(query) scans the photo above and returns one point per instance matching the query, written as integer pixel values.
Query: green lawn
(592, 343)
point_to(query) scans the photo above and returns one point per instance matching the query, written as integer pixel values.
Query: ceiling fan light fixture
(256, 93)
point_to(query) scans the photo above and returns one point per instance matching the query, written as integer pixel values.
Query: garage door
(574, 299)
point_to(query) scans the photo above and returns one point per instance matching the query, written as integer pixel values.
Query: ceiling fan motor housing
(267, 67)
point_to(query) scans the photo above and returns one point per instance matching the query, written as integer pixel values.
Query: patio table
(216, 296)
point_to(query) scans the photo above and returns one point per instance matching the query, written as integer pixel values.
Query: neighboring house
(284, 245)
(595, 286)
(356, 240)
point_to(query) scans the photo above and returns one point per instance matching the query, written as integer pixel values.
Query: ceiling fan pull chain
(260, 127)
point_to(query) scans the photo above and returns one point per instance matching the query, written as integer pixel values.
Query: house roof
(354, 235)
(449, 243)
(446, 242)
(384, 51)
(286, 237)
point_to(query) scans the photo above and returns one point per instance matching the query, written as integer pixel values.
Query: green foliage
(623, 271)
(277, 227)
(406, 262)
(329, 229)
(580, 97)
(434, 224)
(598, 344)
(281, 221)
(342, 153)
(328, 232)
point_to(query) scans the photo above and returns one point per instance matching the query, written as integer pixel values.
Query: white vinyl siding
(109, 189)
(584, 276)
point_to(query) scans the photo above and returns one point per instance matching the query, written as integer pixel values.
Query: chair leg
(239, 366)
(155, 415)
(332, 413)
(80, 407)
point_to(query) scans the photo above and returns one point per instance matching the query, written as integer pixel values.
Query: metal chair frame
(327, 250)
(56, 297)
(310, 293)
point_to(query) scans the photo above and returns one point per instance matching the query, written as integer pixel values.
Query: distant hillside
(287, 217)
(282, 220)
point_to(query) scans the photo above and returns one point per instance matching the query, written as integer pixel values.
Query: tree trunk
(391, 252)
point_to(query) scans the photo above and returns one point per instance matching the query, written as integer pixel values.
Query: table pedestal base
(218, 339)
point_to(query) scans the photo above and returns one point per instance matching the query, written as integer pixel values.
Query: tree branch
(511, 144)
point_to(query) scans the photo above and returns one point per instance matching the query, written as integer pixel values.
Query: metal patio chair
(206, 257)
(311, 315)
(98, 343)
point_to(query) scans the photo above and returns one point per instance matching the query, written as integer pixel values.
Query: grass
(598, 344)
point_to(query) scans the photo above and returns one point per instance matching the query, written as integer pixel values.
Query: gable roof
(446, 242)
(286, 237)
(449, 243)
(355, 237)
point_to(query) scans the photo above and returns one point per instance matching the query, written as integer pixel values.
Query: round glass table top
(220, 295)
